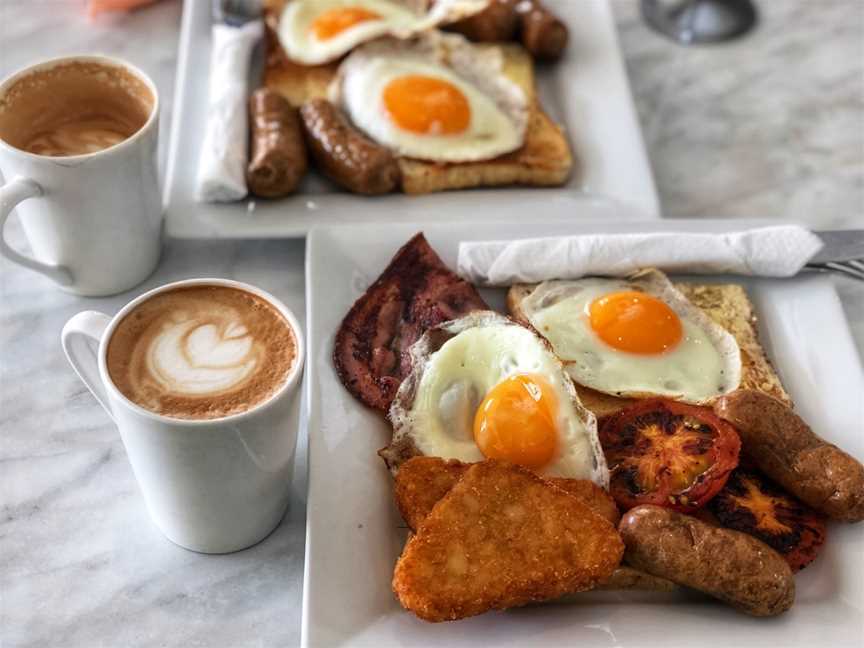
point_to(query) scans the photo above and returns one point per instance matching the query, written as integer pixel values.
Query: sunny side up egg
(637, 337)
(436, 98)
(482, 387)
(318, 31)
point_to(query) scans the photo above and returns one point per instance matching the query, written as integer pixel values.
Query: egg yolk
(427, 105)
(635, 322)
(516, 422)
(333, 22)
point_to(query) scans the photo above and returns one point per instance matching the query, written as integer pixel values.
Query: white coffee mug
(93, 221)
(213, 485)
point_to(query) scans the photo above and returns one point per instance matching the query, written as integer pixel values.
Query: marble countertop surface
(770, 126)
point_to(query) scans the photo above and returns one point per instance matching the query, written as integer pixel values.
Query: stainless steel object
(843, 253)
(692, 22)
(236, 12)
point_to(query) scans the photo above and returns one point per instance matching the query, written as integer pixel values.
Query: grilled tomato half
(753, 504)
(669, 454)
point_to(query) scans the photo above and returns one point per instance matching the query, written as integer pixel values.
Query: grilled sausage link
(731, 566)
(344, 154)
(278, 161)
(544, 35)
(497, 22)
(787, 450)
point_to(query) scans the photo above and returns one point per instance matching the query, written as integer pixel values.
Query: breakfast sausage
(544, 35)
(789, 452)
(497, 22)
(731, 566)
(278, 161)
(344, 154)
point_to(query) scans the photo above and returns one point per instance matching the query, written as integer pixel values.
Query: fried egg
(483, 386)
(436, 98)
(318, 31)
(635, 337)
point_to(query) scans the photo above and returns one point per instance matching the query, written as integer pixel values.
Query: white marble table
(772, 126)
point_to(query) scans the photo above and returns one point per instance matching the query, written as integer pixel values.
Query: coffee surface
(201, 352)
(74, 108)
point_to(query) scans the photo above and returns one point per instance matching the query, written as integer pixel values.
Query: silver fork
(842, 253)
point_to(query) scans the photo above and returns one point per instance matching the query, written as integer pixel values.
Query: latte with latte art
(201, 352)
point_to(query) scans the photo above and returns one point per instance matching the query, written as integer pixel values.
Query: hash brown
(500, 538)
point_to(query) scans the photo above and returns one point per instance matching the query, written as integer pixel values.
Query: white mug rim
(290, 380)
(103, 59)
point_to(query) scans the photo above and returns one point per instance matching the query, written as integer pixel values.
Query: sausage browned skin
(497, 22)
(344, 154)
(731, 566)
(278, 158)
(544, 35)
(787, 450)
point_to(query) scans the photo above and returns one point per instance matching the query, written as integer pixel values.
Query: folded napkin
(779, 251)
(225, 149)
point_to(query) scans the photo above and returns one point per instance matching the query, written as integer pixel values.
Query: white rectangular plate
(354, 533)
(587, 92)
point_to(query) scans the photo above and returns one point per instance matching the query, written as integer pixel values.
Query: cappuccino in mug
(201, 352)
(74, 108)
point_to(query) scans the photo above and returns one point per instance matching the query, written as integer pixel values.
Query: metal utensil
(843, 253)
(236, 12)
(700, 21)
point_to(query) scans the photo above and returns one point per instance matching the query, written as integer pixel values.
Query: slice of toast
(545, 159)
(422, 481)
(500, 538)
(726, 304)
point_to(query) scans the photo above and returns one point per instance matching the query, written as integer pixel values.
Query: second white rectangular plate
(354, 533)
(587, 92)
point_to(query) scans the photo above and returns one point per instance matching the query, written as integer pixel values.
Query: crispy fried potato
(422, 481)
(502, 537)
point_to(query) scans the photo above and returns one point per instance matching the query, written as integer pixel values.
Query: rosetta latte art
(194, 356)
(201, 352)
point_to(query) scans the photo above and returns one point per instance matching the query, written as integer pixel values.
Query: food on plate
(728, 565)
(727, 305)
(784, 447)
(318, 31)
(628, 578)
(435, 98)
(635, 337)
(542, 33)
(422, 481)
(544, 159)
(752, 504)
(415, 292)
(668, 453)
(278, 158)
(483, 386)
(500, 538)
(344, 154)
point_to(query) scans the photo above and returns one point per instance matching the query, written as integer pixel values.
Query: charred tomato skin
(753, 504)
(668, 453)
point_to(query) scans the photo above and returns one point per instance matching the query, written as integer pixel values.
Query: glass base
(700, 21)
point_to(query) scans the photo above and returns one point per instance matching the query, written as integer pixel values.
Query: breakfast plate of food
(644, 459)
(361, 110)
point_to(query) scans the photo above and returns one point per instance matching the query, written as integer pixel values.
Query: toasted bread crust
(727, 305)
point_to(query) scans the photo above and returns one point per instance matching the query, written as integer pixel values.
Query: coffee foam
(73, 108)
(201, 352)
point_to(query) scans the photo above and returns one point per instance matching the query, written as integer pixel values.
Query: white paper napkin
(779, 251)
(224, 152)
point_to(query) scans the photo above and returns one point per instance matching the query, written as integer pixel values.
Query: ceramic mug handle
(80, 338)
(12, 193)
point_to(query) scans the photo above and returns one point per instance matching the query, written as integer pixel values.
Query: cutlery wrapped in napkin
(222, 163)
(777, 251)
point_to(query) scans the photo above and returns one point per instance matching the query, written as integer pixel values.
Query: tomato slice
(752, 504)
(668, 453)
